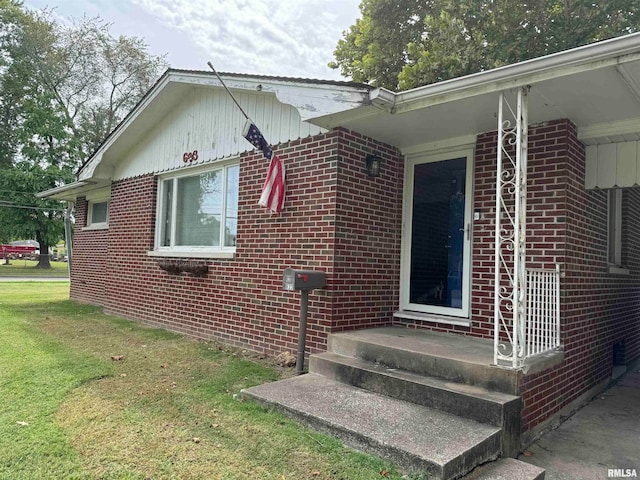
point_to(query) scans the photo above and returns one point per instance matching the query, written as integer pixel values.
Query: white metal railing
(542, 330)
(526, 301)
(510, 230)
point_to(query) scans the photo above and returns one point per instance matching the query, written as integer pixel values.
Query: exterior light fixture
(372, 164)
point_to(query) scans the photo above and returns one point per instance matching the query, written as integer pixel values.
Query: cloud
(293, 38)
(274, 37)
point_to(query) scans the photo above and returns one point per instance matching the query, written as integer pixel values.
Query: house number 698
(189, 157)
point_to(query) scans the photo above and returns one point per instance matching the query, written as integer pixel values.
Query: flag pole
(228, 91)
(273, 190)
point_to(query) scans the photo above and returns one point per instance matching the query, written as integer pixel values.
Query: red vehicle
(17, 251)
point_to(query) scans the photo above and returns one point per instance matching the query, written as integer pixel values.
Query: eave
(595, 86)
(73, 190)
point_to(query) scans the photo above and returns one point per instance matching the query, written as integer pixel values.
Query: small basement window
(198, 212)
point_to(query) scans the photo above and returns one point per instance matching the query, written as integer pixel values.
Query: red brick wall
(626, 327)
(339, 220)
(90, 261)
(598, 308)
(241, 301)
(546, 212)
(566, 225)
(131, 274)
(368, 225)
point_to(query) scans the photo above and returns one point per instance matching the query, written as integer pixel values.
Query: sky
(292, 38)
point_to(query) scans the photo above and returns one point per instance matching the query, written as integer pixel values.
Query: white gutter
(615, 51)
(63, 189)
(71, 191)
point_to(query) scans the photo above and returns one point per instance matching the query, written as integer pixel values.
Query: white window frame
(92, 200)
(192, 251)
(614, 232)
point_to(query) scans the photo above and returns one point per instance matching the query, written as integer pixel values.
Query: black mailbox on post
(303, 279)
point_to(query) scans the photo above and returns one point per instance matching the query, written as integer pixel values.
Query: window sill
(96, 226)
(189, 254)
(616, 270)
(432, 317)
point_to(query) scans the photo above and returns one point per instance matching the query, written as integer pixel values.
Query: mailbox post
(305, 281)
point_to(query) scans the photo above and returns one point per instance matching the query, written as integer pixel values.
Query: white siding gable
(208, 122)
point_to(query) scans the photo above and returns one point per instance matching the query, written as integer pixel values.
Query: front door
(436, 243)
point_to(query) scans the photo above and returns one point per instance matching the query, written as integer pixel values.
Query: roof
(309, 97)
(229, 77)
(596, 86)
(71, 191)
(272, 78)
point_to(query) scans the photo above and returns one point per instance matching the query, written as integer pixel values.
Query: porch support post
(510, 235)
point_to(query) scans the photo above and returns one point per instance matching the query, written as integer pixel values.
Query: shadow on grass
(168, 407)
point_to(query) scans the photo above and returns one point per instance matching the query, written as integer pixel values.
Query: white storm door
(436, 235)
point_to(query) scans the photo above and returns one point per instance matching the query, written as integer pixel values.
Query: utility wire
(19, 193)
(9, 205)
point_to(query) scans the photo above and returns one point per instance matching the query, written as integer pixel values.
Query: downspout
(67, 233)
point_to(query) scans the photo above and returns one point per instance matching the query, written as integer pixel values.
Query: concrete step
(467, 401)
(506, 469)
(416, 438)
(453, 357)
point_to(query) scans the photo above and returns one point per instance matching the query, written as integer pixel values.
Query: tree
(9, 14)
(46, 158)
(374, 49)
(62, 90)
(402, 44)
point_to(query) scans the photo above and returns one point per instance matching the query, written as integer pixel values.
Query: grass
(26, 268)
(169, 409)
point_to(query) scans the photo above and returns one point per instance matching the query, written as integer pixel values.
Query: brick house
(168, 230)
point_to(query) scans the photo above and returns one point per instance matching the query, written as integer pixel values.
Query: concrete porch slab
(473, 350)
(416, 438)
(506, 469)
(459, 358)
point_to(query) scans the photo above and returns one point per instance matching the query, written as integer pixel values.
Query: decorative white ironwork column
(510, 241)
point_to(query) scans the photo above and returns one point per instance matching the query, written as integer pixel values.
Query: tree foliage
(402, 44)
(63, 88)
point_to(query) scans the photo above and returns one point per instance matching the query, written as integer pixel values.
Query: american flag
(274, 185)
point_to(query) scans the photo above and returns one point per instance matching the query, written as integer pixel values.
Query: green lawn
(26, 268)
(167, 409)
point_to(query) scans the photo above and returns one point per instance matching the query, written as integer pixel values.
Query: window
(98, 214)
(198, 211)
(614, 231)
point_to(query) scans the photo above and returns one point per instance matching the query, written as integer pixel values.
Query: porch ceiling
(597, 87)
